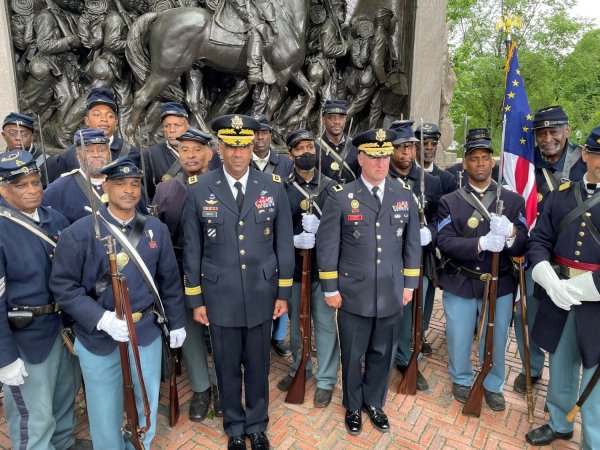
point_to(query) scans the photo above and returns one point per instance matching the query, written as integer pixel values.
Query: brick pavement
(429, 420)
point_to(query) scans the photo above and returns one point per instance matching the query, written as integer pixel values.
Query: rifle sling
(22, 220)
(305, 193)
(174, 169)
(582, 208)
(83, 185)
(134, 256)
(336, 156)
(480, 208)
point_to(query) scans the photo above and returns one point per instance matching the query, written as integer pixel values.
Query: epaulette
(564, 186)
(192, 180)
(66, 174)
(276, 178)
(338, 188)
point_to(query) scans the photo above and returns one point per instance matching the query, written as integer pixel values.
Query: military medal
(104, 198)
(539, 197)
(152, 242)
(166, 177)
(354, 204)
(356, 234)
(122, 259)
(304, 204)
(335, 166)
(472, 222)
(399, 232)
(267, 231)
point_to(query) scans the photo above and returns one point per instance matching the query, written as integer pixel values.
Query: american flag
(519, 170)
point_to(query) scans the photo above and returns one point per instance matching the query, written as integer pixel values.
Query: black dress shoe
(422, 384)
(217, 402)
(520, 384)
(322, 397)
(199, 405)
(495, 400)
(285, 383)
(426, 347)
(259, 441)
(378, 418)
(460, 392)
(237, 442)
(353, 421)
(281, 348)
(545, 435)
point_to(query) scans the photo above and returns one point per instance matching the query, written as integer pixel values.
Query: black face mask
(306, 161)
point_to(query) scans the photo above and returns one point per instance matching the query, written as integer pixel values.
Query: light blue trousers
(564, 388)
(461, 320)
(40, 413)
(323, 319)
(104, 393)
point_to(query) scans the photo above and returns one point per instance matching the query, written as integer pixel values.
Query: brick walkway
(431, 420)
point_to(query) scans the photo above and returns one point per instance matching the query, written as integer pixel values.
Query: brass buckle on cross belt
(570, 272)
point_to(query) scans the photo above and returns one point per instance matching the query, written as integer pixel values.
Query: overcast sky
(588, 8)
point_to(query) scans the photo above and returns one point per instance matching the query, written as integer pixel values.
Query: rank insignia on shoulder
(276, 178)
(193, 179)
(338, 188)
(564, 186)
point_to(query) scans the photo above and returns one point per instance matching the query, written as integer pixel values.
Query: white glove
(176, 337)
(116, 328)
(425, 236)
(583, 283)
(564, 298)
(304, 240)
(501, 226)
(492, 242)
(310, 223)
(13, 374)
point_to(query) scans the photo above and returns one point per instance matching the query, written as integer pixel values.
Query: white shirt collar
(261, 162)
(120, 221)
(370, 187)
(479, 190)
(231, 181)
(34, 215)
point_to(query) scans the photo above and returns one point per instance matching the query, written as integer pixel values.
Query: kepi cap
(404, 131)
(429, 130)
(301, 134)
(480, 144)
(101, 96)
(194, 134)
(592, 143)
(549, 117)
(335, 107)
(21, 119)
(264, 124)
(173, 109)
(15, 164)
(90, 136)
(121, 168)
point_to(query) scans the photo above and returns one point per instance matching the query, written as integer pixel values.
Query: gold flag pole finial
(508, 22)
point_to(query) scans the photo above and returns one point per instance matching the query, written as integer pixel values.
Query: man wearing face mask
(307, 190)
(267, 160)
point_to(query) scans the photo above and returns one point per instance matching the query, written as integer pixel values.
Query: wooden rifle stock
(173, 394)
(472, 406)
(297, 389)
(123, 312)
(525, 330)
(408, 384)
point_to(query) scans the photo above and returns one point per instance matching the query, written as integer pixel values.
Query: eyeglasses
(405, 146)
(95, 150)
(15, 133)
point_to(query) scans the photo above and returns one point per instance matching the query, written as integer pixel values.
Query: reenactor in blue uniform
(101, 112)
(456, 170)
(337, 153)
(564, 251)
(18, 131)
(431, 138)
(404, 169)
(556, 161)
(468, 233)
(194, 156)
(40, 376)
(80, 282)
(162, 159)
(237, 230)
(267, 160)
(307, 191)
(368, 258)
(69, 194)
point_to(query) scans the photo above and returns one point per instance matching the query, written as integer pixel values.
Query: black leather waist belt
(39, 310)
(481, 276)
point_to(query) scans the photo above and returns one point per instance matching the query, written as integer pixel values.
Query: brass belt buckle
(136, 316)
(484, 277)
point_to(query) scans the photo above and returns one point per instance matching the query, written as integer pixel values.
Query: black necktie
(591, 187)
(239, 198)
(375, 190)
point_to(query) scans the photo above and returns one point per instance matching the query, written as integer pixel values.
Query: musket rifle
(133, 430)
(43, 145)
(408, 384)
(472, 406)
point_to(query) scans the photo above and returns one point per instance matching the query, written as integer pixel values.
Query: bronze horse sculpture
(179, 38)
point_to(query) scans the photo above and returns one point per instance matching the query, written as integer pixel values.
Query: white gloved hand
(176, 337)
(492, 242)
(116, 328)
(585, 285)
(501, 226)
(304, 240)
(14, 373)
(310, 223)
(543, 274)
(425, 236)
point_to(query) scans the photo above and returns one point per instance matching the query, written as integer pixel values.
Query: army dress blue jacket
(366, 254)
(453, 214)
(25, 265)
(237, 263)
(81, 260)
(298, 206)
(577, 244)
